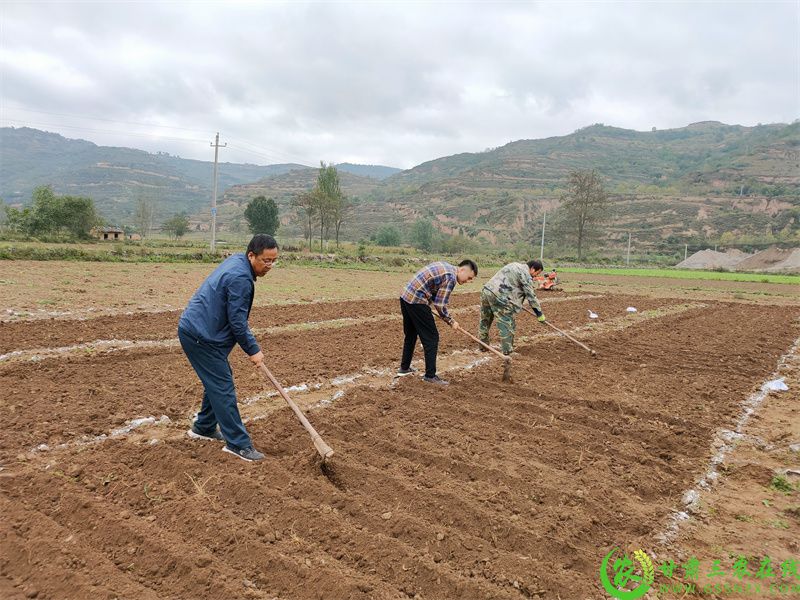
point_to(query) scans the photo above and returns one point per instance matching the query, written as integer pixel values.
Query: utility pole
(685, 251)
(214, 195)
(628, 256)
(541, 252)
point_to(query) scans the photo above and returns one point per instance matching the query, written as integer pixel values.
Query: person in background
(432, 285)
(502, 297)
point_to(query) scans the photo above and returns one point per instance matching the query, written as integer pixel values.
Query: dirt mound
(766, 259)
(790, 265)
(711, 259)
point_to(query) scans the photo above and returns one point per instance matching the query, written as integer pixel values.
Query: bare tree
(584, 207)
(306, 205)
(144, 217)
(339, 213)
(328, 199)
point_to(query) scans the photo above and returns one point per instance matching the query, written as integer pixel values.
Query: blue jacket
(217, 313)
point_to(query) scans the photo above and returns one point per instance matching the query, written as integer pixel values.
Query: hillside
(669, 187)
(283, 188)
(695, 181)
(116, 177)
(372, 171)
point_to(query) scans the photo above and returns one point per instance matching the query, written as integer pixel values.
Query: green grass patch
(690, 274)
(781, 484)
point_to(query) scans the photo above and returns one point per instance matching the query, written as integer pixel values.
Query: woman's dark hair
(261, 242)
(471, 264)
(536, 265)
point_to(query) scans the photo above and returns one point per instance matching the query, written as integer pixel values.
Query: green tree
(457, 244)
(584, 207)
(422, 235)
(51, 214)
(177, 226)
(18, 220)
(46, 212)
(78, 215)
(328, 201)
(262, 215)
(387, 236)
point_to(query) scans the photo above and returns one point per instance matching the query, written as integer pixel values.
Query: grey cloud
(397, 83)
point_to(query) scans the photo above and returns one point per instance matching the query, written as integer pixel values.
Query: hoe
(506, 359)
(325, 451)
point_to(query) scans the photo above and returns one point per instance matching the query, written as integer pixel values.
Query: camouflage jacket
(511, 285)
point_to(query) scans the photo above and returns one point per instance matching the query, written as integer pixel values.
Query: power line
(91, 118)
(269, 153)
(263, 153)
(254, 148)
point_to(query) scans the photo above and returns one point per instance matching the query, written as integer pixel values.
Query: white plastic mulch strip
(724, 441)
(39, 354)
(114, 433)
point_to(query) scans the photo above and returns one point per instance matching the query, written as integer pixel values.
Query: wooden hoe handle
(561, 331)
(487, 346)
(323, 449)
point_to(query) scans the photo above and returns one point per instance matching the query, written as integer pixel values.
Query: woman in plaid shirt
(431, 285)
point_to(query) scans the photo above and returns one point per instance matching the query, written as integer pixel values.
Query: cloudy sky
(394, 83)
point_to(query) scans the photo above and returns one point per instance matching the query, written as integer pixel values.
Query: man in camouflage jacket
(502, 298)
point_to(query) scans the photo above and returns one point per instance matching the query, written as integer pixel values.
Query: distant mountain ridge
(373, 171)
(694, 182)
(116, 177)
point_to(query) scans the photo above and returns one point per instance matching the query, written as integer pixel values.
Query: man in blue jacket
(212, 324)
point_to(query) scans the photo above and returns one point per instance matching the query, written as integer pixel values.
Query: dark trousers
(219, 396)
(418, 321)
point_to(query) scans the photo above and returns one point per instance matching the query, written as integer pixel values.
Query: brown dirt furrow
(480, 490)
(55, 333)
(68, 568)
(164, 556)
(59, 400)
(475, 455)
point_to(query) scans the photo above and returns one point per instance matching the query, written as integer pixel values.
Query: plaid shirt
(432, 285)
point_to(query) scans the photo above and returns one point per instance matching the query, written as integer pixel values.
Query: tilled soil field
(51, 333)
(480, 490)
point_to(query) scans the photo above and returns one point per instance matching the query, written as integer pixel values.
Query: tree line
(324, 210)
(76, 216)
(53, 215)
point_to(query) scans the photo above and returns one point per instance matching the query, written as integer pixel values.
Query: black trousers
(418, 321)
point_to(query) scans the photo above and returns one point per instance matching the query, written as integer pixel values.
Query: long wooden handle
(561, 331)
(569, 337)
(487, 346)
(323, 449)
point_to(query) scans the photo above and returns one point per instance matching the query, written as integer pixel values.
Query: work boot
(404, 372)
(436, 380)
(196, 434)
(249, 454)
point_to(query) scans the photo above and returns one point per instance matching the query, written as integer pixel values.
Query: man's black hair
(536, 265)
(471, 264)
(261, 242)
